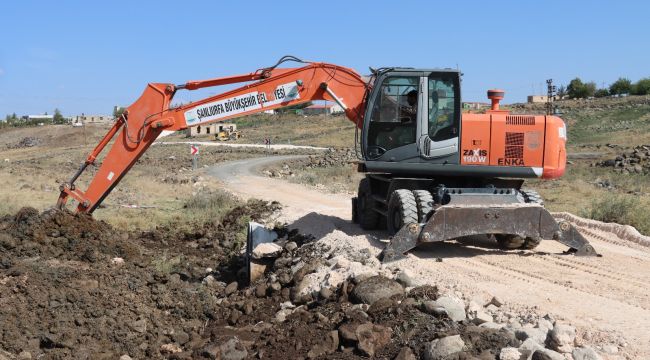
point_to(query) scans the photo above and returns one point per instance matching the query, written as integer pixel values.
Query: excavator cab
(413, 117)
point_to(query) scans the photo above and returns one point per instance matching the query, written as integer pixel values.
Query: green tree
(600, 93)
(641, 87)
(576, 89)
(590, 89)
(58, 118)
(620, 86)
(561, 91)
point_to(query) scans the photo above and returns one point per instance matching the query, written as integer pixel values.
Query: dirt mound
(73, 287)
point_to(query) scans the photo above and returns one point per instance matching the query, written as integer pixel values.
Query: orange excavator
(432, 173)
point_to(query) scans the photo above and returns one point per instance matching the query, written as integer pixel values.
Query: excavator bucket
(454, 221)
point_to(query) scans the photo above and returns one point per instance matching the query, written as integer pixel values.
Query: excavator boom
(269, 88)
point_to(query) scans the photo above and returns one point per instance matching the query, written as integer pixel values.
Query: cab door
(438, 141)
(395, 115)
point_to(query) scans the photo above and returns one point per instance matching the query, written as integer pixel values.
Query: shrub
(641, 87)
(600, 93)
(621, 209)
(621, 86)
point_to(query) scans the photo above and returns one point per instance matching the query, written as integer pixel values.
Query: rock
(266, 250)
(211, 352)
(529, 346)
(325, 293)
(290, 246)
(454, 307)
(117, 261)
(562, 338)
(170, 348)
(431, 307)
(491, 325)
(441, 348)
(327, 346)
(260, 290)
(281, 316)
(181, 337)
(233, 349)
(537, 335)
(547, 354)
(545, 325)
(509, 353)
(496, 301)
(585, 353)
(26, 355)
(123, 357)
(372, 337)
(374, 288)
(405, 354)
(405, 277)
(139, 326)
(231, 288)
(477, 314)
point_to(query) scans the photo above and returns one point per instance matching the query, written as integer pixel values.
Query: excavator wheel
(530, 243)
(402, 210)
(367, 218)
(509, 241)
(424, 202)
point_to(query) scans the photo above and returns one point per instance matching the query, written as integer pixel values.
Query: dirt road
(607, 298)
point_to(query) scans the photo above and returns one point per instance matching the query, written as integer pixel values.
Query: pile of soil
(637, 160)
(332, 157)
(74, 287)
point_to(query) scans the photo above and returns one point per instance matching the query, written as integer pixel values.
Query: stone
(266, 250)
(509, 353)
(562, 338)
(547, 354)
(431, 307)
(496, 301)
(405, 354)
(290, 246)
(231, 288)
(181, 337)
(372, 337)
(233, 349)
(281, 316)
(537, 335)
(405, 277)
(491, 325)
(139, 326)
(327, 346)
(529, 346)
(545, 324)
(260, 290)
(325, 293)
(441, 348)
(26, 355)
(348, 332)
(375, 288)
(170, 348)
(585, 353)
(454, 307)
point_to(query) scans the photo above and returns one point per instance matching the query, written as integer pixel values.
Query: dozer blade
(454, 221)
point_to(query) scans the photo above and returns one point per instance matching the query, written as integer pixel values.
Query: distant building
(41, 118)
(209, 129)
(536, 99)
(475, 105)
(322, 109)
(91, 119)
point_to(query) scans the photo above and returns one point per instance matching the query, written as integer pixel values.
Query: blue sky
(84, 56)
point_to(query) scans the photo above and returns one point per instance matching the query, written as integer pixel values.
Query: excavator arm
(266, 89)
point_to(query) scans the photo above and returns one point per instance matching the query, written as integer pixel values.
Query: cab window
(443, 123)
(394, 117)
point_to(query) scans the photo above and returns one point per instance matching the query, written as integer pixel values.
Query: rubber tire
(530, 243)
(424, 202)
(509, 242)
(367, 217)
(402, 210)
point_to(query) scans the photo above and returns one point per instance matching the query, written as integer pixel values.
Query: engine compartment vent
(520, 120)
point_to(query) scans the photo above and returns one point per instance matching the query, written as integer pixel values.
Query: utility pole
(550, 93)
